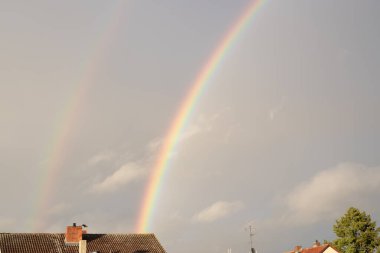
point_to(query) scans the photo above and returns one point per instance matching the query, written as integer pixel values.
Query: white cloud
(330, 192)
(314, 204)
(217, 211)
(191, 131)
(202, 124)
(121, 177)
(104, 156)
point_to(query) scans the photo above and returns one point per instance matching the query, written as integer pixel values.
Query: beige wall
(330, 250)
(82, 246)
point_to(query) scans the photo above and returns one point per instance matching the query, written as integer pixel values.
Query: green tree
(356, 233)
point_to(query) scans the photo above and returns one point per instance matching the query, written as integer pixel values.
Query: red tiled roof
(102, 243)
(316, 249)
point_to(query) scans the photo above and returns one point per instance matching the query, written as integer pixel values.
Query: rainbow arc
(161, 165)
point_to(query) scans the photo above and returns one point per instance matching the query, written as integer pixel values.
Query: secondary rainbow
(196, 89)
(66, 121)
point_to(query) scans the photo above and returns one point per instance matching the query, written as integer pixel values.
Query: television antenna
(251, 234)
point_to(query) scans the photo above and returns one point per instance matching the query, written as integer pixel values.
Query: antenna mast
(251, 234)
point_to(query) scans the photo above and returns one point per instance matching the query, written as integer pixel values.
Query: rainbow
(196, 89)
(66, 121)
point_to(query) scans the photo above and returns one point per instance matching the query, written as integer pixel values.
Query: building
(316, 248)
(77, 240)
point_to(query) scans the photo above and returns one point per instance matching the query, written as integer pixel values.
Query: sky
(284, 137)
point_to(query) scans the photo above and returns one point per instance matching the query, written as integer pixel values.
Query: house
(316, 248)
(77, 240)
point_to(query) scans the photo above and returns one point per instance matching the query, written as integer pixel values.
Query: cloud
(202, 124)
(154, 145)
(191, 131)
(217, 211)
(101, 157)
(313, 205)
(126, 174)
(330, 192)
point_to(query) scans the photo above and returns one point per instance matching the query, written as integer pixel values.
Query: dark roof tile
(102, 243)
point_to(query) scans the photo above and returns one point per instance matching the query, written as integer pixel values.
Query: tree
(356, 233)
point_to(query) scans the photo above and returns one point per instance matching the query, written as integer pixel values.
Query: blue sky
(285, 136)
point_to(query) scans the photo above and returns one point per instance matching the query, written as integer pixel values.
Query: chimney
(84, 229)
(316, 244)
(82, 246)
(73, 234)
(298, 249)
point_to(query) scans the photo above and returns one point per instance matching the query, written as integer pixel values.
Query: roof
(315, 249)
(102, 243)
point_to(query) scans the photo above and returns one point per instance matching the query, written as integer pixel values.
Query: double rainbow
(203, 78)
(65, 127)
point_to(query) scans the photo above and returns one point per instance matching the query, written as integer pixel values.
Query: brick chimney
(316, 244)
(73, 234)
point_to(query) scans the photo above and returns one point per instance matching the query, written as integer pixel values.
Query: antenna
(251, 234)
